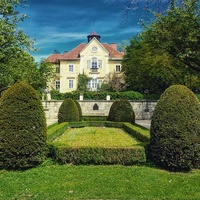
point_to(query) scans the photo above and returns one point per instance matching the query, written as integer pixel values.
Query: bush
(68, 111)
(79, 110)
(121, 111)
(89, 155)
(98, 155)
(175, 130)
(138, 132)
(129, 95)
(56, 131)
(94, 118)
(22, 128)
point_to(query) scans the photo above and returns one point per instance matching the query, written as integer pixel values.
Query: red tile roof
(113, 52)
(53, 58)
(75, 53)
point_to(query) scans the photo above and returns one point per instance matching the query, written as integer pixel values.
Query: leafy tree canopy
(16, 63)
(178, 33)
(159, 57)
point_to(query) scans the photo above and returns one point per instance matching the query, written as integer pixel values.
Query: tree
(132, 6)
(22, 128)
(177, 33)
(174, 133)
(15, 61)
(114, 82)
(83, 82)
(46, 72)
(148, 63)
(139, 67)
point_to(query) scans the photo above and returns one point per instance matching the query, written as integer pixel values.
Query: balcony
(94, 71)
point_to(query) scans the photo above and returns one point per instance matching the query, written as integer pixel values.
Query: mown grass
(95, 137)
(51, 181)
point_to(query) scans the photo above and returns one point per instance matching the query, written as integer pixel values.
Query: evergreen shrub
(175, 130)
(79, 110)
(129, 95)
(22, 128)
(68, 111)
(138, 132)
(99, 156)
(56, 131)
(121, 111)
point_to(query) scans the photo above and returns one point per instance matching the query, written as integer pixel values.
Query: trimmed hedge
(175, 130)
(68, 111)
(94, 118)
(79, 110)
(22, 128)
(121, 111)
(56, 131)
(142, 134)
(129, 95)
(88, 155)
(98, 156)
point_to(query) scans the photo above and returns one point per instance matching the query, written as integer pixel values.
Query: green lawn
(96, 137)
(58, 182)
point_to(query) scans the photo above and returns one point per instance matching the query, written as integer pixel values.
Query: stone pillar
(108, 97)
(81, 97)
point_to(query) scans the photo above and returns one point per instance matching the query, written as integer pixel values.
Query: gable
(93, 48)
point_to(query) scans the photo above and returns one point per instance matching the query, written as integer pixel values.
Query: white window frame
(71, 68)
(70, 83)
(100, 64)
(94, 63)
(118, 68)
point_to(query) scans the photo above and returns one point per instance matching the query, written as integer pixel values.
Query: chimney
(113, 45)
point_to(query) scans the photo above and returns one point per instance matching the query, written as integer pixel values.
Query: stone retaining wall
(142, 109)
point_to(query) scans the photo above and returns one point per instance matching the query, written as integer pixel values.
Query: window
(100, 81)
(57, 84)
(71, 83)
(118, 68)
(99, 63)
(94, 84)
(71, 68)
(94, 63)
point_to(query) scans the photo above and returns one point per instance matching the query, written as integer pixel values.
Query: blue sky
(63, 24)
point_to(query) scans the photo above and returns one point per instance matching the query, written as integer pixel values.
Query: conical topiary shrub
(121, 111)
(68, 111)
(79, 110)
(22, 128)
(175, 130)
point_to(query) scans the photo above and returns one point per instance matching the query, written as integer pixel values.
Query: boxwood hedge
(88, 155)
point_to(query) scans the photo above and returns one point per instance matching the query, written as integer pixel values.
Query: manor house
(95, 59)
